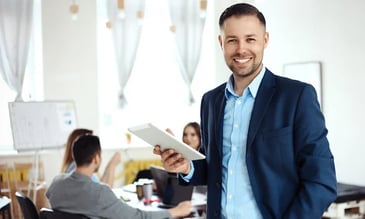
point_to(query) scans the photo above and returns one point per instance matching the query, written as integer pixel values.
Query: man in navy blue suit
(264, 136)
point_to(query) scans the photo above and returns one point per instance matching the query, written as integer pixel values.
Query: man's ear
(97, 159)
(266, 39)
(220, 41)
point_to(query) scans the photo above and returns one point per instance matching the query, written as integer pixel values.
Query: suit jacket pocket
(276, 148)
(276, 133)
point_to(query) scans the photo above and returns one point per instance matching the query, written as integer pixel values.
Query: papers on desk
(128, 192)
(129, 188)
(198, 199)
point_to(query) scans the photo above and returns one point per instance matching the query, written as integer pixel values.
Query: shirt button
(231, 172)
(238, 102)
(235, 125)
(234, 148)
(229, 196)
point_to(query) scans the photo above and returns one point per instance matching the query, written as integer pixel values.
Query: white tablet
(155, 136)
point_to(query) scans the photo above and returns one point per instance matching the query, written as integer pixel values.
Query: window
(155, 91)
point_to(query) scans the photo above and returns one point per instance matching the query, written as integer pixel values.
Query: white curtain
(16, 18)
(188, 19)
(126, 26)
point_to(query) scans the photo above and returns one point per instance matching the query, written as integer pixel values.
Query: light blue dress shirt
(237, 196)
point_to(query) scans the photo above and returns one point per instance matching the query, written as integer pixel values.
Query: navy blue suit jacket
(288, 158)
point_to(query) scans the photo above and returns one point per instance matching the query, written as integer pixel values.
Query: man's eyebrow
(251, 35)
(246, 36)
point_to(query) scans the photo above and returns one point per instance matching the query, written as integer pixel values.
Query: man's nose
(242, 46)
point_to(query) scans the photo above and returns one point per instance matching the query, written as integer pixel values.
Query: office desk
(350, 202)
(128, 194)
(5, 208)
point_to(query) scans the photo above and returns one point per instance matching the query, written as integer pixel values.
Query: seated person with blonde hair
(76, 193)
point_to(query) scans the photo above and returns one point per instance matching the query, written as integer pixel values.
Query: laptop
(168, 189)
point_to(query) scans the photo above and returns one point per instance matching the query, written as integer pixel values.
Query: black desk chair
(47, 213)
(27, 206)
(143, 174)
(5, 208)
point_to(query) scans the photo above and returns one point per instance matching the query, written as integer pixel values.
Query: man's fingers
(171, 158)
(172, 161)
(157, 150)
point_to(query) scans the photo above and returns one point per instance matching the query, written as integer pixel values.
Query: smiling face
(243, 40)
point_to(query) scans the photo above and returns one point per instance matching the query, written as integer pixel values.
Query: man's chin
(244, 74)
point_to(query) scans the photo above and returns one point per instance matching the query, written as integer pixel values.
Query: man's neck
(88, 171)
(241, 83)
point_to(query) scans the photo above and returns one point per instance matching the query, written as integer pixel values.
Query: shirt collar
(253, 87)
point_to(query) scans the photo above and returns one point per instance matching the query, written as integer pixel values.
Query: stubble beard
(252, 70)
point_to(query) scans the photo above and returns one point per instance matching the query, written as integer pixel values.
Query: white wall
(70, 65)
(328, 31)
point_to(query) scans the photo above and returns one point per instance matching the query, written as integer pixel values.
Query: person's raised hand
(116, 159)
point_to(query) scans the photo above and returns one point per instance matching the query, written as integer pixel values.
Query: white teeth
(242, 60)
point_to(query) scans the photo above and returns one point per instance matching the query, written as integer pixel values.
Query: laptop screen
(168, 189)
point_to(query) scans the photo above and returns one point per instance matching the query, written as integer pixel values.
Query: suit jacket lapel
(220, 105)
(263, 98)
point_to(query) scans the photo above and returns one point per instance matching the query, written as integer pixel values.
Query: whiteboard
(41, 125)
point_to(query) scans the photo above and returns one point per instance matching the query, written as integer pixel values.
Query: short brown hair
(241, 9)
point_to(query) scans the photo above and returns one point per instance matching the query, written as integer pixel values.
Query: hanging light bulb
(74, 10)
(203, 8)
(121, 11)
(173, 28)
(140, 16)
(109, 24)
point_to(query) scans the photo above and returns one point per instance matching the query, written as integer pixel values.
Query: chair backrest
(27, 206)
(47, 213)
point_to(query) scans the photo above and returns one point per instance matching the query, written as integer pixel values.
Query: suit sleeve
(314, 160)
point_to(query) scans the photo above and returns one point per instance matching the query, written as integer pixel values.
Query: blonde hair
(67, 157)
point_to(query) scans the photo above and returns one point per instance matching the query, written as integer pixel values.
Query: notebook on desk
(168, 189)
